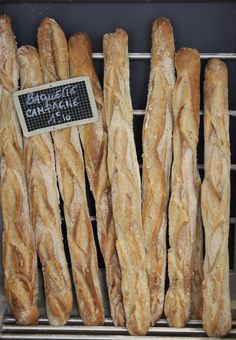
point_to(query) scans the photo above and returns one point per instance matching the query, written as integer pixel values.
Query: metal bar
(142, 112)
(101, 330)
(143, 56)
(108, 321)
(232, 219)
(2, 311)
(93, 219)
(95, 329)
(65, 329)
(232, 166)
(95, 337)
(201, 166)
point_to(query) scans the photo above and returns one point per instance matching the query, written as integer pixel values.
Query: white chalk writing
(34, 98)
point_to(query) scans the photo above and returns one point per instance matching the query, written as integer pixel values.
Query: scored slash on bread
(19, 251)
(134, 249)
(54, 59)
(215, 201)
(44, 203)
(124, 177)
(184, 202)
(94, 142)
(157, 158)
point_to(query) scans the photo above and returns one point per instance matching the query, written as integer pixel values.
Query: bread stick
(184, 201)
(125, 183)
(19, 251)
(54, 58)
(215, 201)
(157, 158)
(44, 203)
(94, 142)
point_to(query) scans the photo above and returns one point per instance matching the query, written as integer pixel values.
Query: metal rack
(148, 55)
(75, 329)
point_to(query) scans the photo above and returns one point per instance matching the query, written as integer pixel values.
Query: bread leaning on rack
(44, 203)
(19, 251)
(215, 201)
(124, 177)
(94, 142)
(184, 201)
(157, 157)
(54, 59)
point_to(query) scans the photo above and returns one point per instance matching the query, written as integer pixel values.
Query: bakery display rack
(75, 329)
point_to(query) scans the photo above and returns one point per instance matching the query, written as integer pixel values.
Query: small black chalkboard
(55, 106)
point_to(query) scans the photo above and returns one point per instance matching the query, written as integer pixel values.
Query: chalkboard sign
(55, 106)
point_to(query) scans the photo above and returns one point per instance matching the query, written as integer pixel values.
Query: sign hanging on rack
(54, 106)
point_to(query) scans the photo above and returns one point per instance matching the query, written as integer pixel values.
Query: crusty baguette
(44, 203)
(157, 157)
(94, 142)
(70, 169)
(197, 298)
(215, 201)
(19, 251)
(184, 201)
(125, 183)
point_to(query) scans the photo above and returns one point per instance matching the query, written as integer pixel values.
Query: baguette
(70, 170)
(94, 142)
(184, 201)
(19, 250)
(44, 203)
(125, 183)
(157, 157)
(215, 201)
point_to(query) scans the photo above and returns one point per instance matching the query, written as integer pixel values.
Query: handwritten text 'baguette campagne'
(52, 103)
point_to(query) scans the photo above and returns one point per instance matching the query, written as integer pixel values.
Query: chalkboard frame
(21, 116)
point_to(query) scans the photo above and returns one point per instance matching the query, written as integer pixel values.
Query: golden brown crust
(112, 42)
(184, 201)
(215, 201)
(157, 156)
(70, 170)
(53, 51)
(27, 56)
(94, 142)
(19, 251)
(197, 257)
(197, 298)
(81, 63)
(125, 183)
(44, 203)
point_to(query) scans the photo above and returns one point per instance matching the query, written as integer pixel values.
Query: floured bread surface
(54, 59)
(44, 204)
(157, 158)
(94, 141)
(184, 201)
(19, 251)
(125, 183)
(215, 201)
